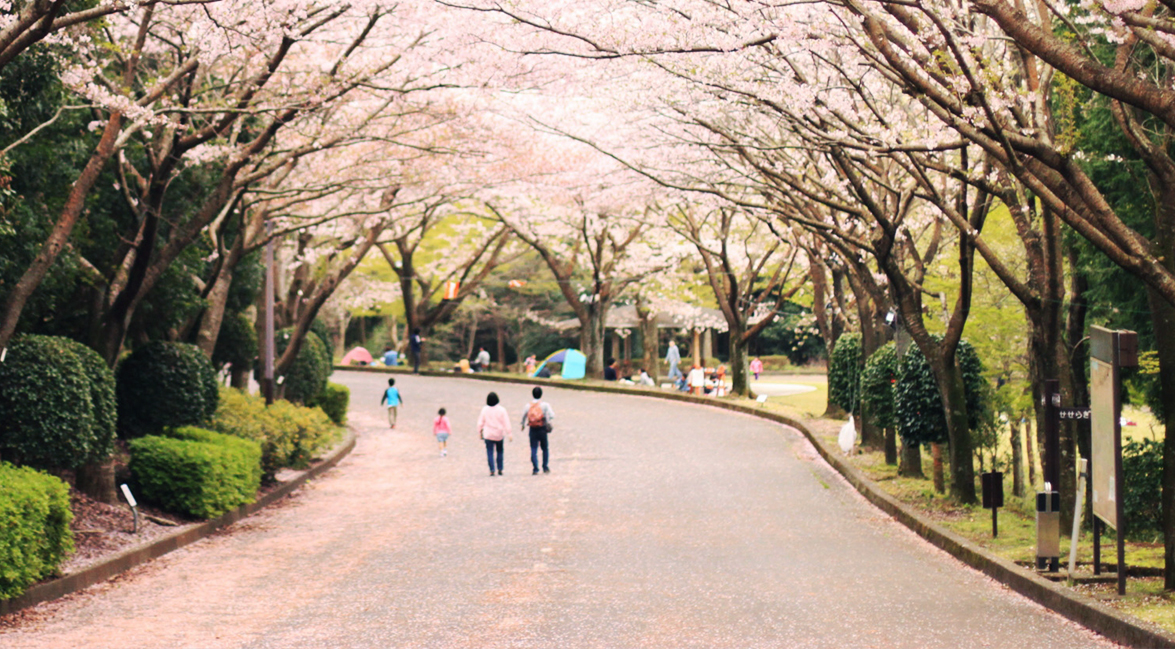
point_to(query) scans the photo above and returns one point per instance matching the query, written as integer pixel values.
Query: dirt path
(661, 525)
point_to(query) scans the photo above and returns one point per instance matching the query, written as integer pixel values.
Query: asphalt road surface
(660, 525)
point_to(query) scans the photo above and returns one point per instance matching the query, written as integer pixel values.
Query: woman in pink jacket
(493, 424)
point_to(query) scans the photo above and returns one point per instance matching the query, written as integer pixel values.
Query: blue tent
(574, 363)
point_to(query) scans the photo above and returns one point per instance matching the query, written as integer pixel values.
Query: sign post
(1109, 352)
(992, 485)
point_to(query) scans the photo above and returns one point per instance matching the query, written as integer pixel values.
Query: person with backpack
(538, 417)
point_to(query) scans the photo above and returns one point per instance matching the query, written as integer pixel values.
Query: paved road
(661, 525)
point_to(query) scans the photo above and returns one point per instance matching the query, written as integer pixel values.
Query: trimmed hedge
(162, 385)
(844, 372)
(34, 528)
(289, 435)
(196, 472)
(47, 401)
(306, 377)
(334, 401)
(918, 407)
(877, 385)
(103, 399)
(236, 343)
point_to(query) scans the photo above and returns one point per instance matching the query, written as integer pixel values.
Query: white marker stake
(1082, 470)
(130, 500)
(3, 354)
(281, 379)
(762, 399)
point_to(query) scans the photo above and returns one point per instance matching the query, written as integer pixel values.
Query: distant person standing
(493, 425)
(441, 429)
(483, 360)
(756, 367)
(673, 357)
(538, 417)
(416, 345)
(530, 364)
(393, 400)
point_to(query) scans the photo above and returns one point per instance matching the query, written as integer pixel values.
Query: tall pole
(268, 348)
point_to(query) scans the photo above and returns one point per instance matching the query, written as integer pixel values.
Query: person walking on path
(393, 400)
(538, 417)
(756, 367)
(416, 345)
(493, 424)
(441, 428)
(483, 360)
(673, 357)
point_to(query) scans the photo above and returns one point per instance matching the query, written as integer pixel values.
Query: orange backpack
(534, 415)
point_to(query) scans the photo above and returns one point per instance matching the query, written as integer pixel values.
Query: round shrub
(918, 407)
(306, 377)
(319, 328)
(103, 398)
(195, 471)
(877, 385)
(334, 400)
(236, 343)
(844, 372)
(162, 385)
(46, 399)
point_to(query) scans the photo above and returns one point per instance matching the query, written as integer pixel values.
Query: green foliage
(34, 527)
(877, 385)
(162, 385)
(289, 435)
(918, 407)
(844, 372)
(319, 328)
(307, 375)
(792, 334)
(236, 343)
(47, 400)
(334, 401)
(1142, 475)
(196, 472)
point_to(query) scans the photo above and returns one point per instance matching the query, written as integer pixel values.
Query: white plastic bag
(848, 436)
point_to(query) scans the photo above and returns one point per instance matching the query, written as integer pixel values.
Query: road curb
(140, 554)
(1087, 612)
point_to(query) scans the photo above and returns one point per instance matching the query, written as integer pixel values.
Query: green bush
(236, 344)
(877, 385)
(319, 328)
(47, 401)
(1142, 475)
(334, 401)
(289, 435)
(196, 472)
(163, 385)
(34, 527)
(918, 406)
(306, 377)
(844, 372)
(103, 399)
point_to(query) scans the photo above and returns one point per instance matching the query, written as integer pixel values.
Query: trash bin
(1048, 530)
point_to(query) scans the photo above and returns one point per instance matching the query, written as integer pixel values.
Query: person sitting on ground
(610, 370)
(390, 356)
(645, 379)
(483, 360)
(697, 379)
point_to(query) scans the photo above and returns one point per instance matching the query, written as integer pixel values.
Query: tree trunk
(954, 401)
(591, 339)
(1163, 318)
(1029, 451)
(239, 378)
(501, 335)
(213, 315)
(695, 347)
(911, 466)
(649, 341)
(936, 456)
(891, 446)
(96, 480)
(740, 384)
(1017, 461)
